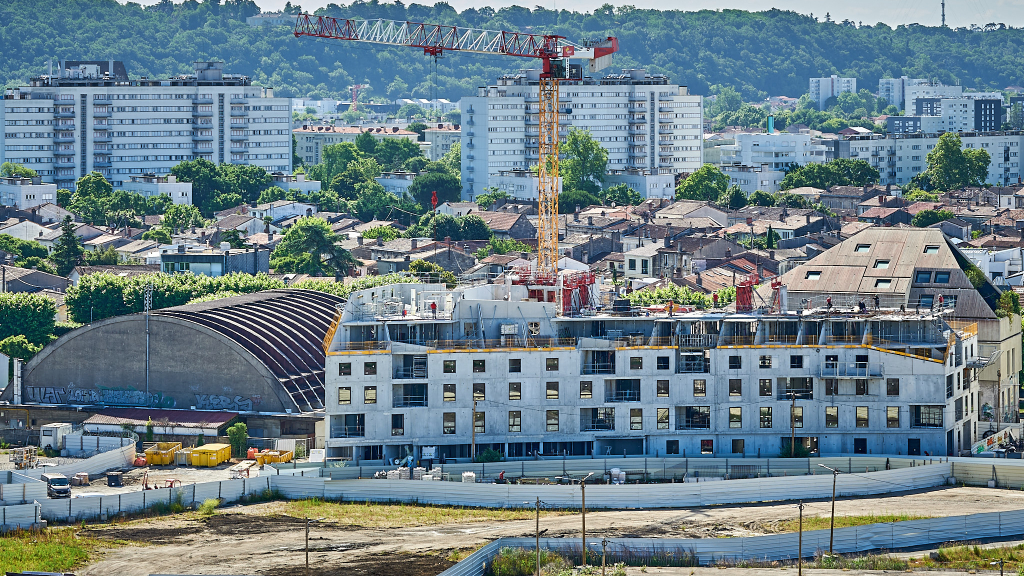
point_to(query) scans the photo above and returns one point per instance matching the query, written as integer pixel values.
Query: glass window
(632, 264)
(479, 423)
(796, 414)
(369, 368)
(345, 395)
(735, 417)
(552, 390)
(735, 387)
(831, 417)
(831, 386)
(764, 362)
(707, 446)
(892, 416)
(862, 416)
(764, 387)
(881, 264)
(662, 418)
(345, 369)
(663, 363)
(515, 365)
(515, 390)
(862, 387)
(926, 416)
(515, 421)
(586, 389)
(735, 363)
(398, 424)
(636, 362)
(479, 366)
(796, 362)
(892, 386)
(812, 275)
(662, 388)
(831, 361)
(923, 277)
(636, 419)
(942, 277)
(883, 283)
(370, 395)
(479, 391)
(737, 445)
(448, 423)
(672, 446)
(931, 249)
(926, 300)
(449, 366)
(552, 420)
(862, 248)
(449, 392)
(700, 387)
(766, 416)
(551, 364)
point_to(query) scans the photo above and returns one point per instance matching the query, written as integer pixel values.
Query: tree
(12, 170)
(921, 196)
(19, 347)
(419, 128)
(180, 217)
(22, 248)
(232, 237)
(272, 194)
(31, 315)
(502, 246)
(64, 197)
(365, 143)
(207, 182)
(569, 200)
(247, 180)
(238, 436)
(91, 198)
(158, 204)
(67, 250)
(585, 162)
(789, 199)
(473, 227)
(107, 256)
(447, 186)
(733, 198)
(926, 218)
(1015, 116)
(726, 100)
(157, 235)
(431, 273)
(707, 184)
(839, 172)
(951, 168)
(488, 199)
(409, 111)
(760, 198)
(387, 233)
(310, 247)
(392, 153)
(622, 195)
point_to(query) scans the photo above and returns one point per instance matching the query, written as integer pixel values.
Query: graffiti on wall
(111, 396)
(219, 402)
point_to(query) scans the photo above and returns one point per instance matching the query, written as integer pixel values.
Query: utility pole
(832, 523)
(800, 549)
(538, 536)
(604, 554)
(472, 445)
(792, 425)
(583, 506)
(307, 545)
(149, 306)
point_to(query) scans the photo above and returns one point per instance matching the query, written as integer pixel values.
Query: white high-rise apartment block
(758, 161)
(894, 89)
(91, 117)
(821, 89)
(642, 120)
(927, 90)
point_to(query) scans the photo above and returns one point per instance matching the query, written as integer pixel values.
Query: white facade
(321, 106)
(281, 209)
(295, 182)
(311, 140)
(271, 19)
(894, 89)
(926, 90)
(440, 140)
(81, 120)
(758, 161)
(396, 183)
(520, 184)
(821, 89)
(649, 183)
(998, 265)
(150, 185)
(25, 193)
(643, 121)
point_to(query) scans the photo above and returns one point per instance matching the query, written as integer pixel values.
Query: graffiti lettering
(108, 396)
(216, 402)
(46, 395)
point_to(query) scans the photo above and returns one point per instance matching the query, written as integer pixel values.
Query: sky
(892, 12)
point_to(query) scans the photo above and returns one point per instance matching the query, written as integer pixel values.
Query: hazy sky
(892, 12)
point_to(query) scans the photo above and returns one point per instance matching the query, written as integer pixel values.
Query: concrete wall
(105, 363)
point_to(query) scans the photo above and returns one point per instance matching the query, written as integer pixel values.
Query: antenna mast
(943, 13)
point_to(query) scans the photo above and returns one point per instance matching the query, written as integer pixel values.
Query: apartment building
(893, 90)
(440, 139)
(900, 157)
(928, 90)
(821, 89)
(311, 140)
(150, 185)
(642, 120)
(423, 370)
(90, 116)
(26, 193)
(758, 161)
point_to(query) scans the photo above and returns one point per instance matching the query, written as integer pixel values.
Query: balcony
(239, 149)
(202, 137)
(239, 112)
(240, 100)
(202, 150)
(103, 101)
(63, 139)
(63, 114)
(596, 425)
(197, 112)
(63, 152)
(665, 120)
(638, 121)
(623, 396)
(198, 100)
(348, 431)
(851, 370)
(102, 138)
(100, 127)
(410, 373)
(101, 163)
(101, 114)
(599, 368)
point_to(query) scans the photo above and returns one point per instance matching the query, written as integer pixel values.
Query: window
(479, 422)
(552, 390)
(796, 415)
(370, 395)
(735, 363)
(931, 249)
(796, 362)
(764, 387)
(586, 389)
(812, 275)
(831, 386)
(766, 417)
(764, 362)
(449, 392)
(831, 417)
(662, 363)
(831, 361)
(735, 417)
(515, 365)
(694, 417)
(636, 419)
(707, 446)
(345, 369)
(735, 387)
(449, 366)
(892, 416)
(632, 264)
(552, 420)
(551, 364)
(923, 277)
(926, 416)
(926, 300)
(636, 362)
(369, 368)
(883, 283)
(892, 386)
(662, 388)
(737, 446)
(700, 387)
(479, 391)
(881, 264)
(398, 424)
(861, 248)
(862, 416)
(662, 418)
(448, 423)
(942, 277)
(644, 266)
(515, 390)
(479, 366)
(672, 447)
(515, 421)
(861, 387)
(345, 395)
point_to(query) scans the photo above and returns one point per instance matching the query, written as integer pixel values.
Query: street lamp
(832, 524)
(583, 507)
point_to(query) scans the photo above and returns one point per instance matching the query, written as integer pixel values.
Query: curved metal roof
(283, 329)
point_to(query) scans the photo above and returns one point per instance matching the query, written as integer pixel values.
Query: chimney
(576, 214)
(808, 216)
(864, 190)
(359, 240)
(309, 211)
(380, 240)
(270, 237)
(668, 236)
(415, 243)
(881, 199)
(760, 271)
(700, 281)
(728, 252)
(771, 254)
(181, 248)
(590, 220)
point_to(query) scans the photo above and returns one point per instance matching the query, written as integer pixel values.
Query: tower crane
(554, 51)
(355, 88)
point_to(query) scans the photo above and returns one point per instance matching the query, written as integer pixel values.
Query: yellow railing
(330, 331)
(968, 328)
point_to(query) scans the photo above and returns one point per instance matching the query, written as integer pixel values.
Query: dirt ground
(254, 539)
(158, 476)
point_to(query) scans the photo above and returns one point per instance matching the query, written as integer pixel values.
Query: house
(295, 182)
(954, 228)
(457, 208)
(213, 262)
(23, 229)
(509, 225)
(640, 261)
(880, 201)
(138, 249)
(396, 183)
(84, 232)
(50, 213)
(397, 248)
(104, 241)
(264, 240)
(281, 209)
(693, 209)
(14, 279)
(808, 193)
(245, 224)
(151, 185)
(587, 248)
(880, 216)
(122, 270)
(451, 258)
(845, 199)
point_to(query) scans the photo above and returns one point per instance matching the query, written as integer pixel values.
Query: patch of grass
(822, 522)
(370, 515)
(175, 506)
(523, 562)
(208, 507)
(268, 495)
(969, 556)
(865, 562)
(51, 550)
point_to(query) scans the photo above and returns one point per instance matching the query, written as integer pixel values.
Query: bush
(208, 507)
(238, 435)
(489, 455)
(522, 562)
